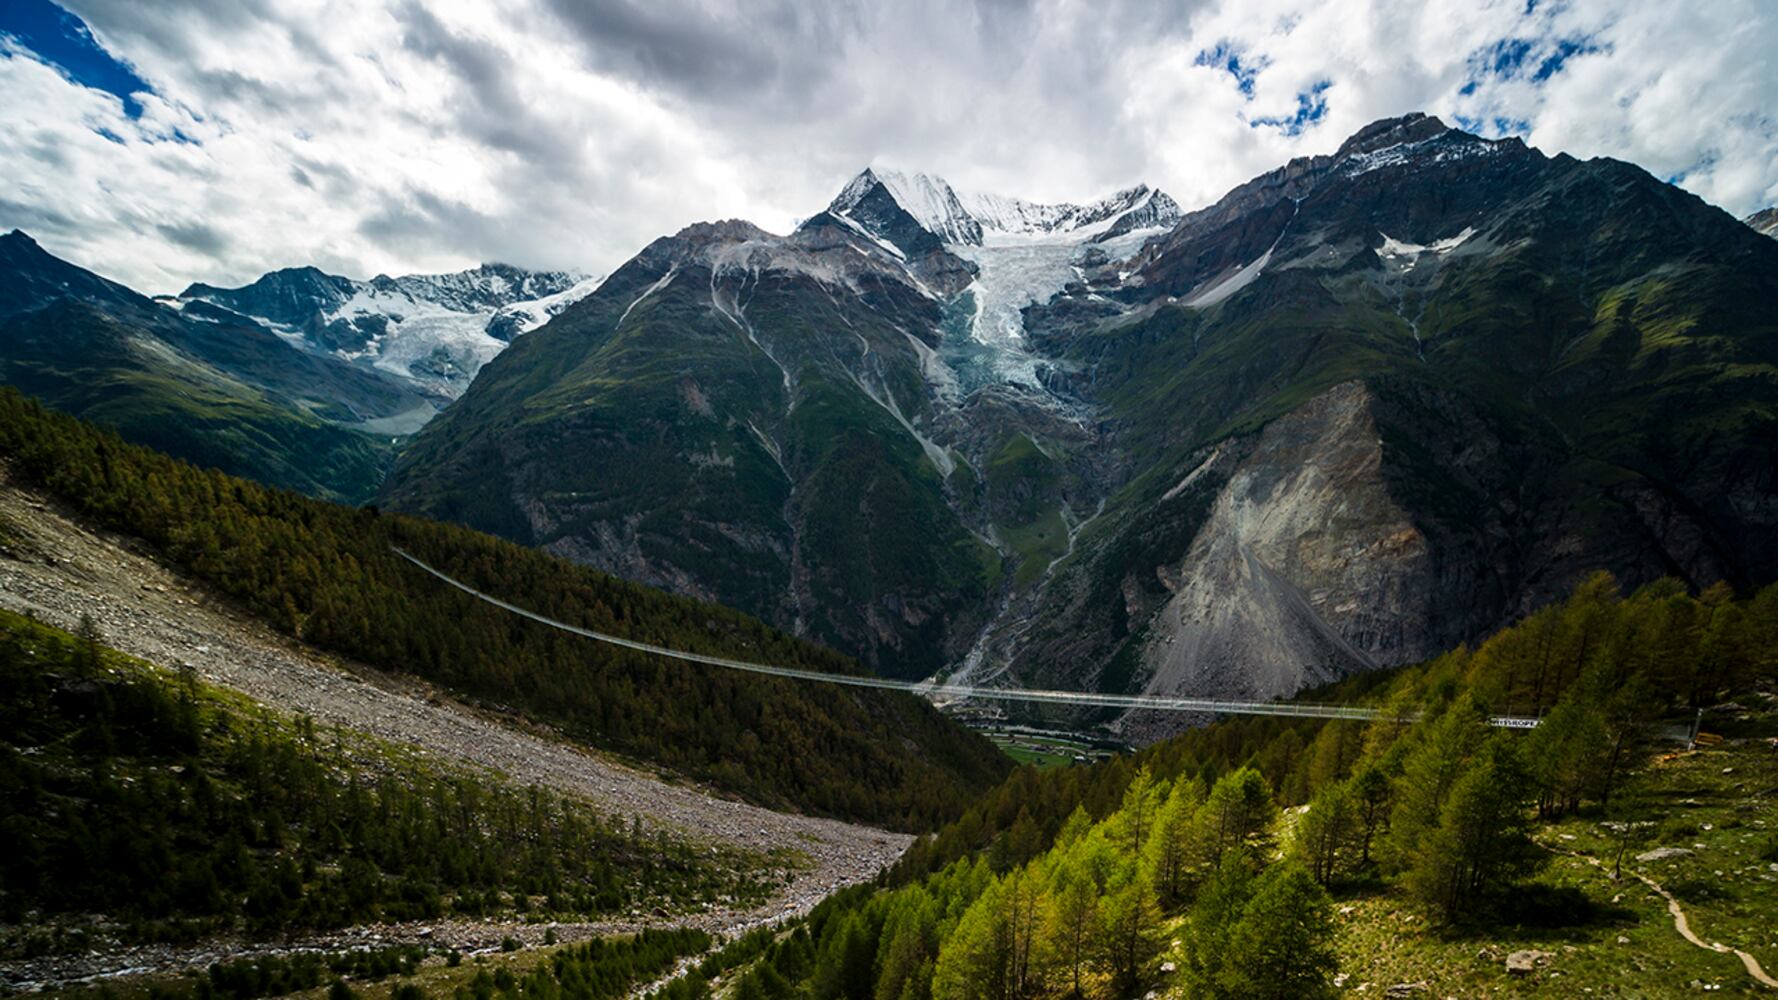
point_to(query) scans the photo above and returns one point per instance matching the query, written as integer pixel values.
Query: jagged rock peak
(1764, 221)
(722, 231)
(1386, 132)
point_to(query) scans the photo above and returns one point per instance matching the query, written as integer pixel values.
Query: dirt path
(149, 612)
(1680, 923)
(1683, 926)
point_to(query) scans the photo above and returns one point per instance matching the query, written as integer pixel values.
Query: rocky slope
(1366, 406)
(1764, 221)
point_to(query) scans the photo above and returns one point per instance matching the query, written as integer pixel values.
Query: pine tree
(1219, 905)
(1327, 838)
(1373, 789)
(1170, 849)
(1282, 947)
(1071, 932)
(1136, 816)
(1129, 927)
(1481, 842)
(1239, 808)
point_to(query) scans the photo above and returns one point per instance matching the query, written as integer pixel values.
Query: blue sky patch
(1566, 49)
(64, 41)
(1226, 56)
(1495, 127)
(1535, 59)
(1311, 106)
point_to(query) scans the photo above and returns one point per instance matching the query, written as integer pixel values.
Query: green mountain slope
(201, 383)
(243, 819)
(734, 416)
(327, 574)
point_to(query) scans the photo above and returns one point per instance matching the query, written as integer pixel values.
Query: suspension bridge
(956, 692)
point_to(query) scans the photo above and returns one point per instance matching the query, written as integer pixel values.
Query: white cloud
(397, 136)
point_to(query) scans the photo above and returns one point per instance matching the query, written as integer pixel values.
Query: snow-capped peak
(969, 218)
(930, 200)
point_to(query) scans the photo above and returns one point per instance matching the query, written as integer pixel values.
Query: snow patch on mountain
(1407, 254)
(1446, 147)
(974, 218)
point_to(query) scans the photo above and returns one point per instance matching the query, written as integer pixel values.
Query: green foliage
(1329, 837)
(1239, 811)
(600, 969)
(238, 817)
(277, 975)
(1065, 883)
(1481, 842)
(327, 575)
(1281, 947)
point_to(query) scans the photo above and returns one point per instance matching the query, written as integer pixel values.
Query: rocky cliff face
(1305, 571)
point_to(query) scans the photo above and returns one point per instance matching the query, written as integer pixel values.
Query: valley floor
(62, 570)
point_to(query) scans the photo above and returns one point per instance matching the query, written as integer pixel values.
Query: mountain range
(434, 330)
(301, 379)
(1363, 408)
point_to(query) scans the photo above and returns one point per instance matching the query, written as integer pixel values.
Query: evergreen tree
(1481, 842)
(1239, 808)
(1071, 932)
(1208, 929)
(1282, 946)
(1129, 928)
(1136, 816)
(1170, 849)
(1373, 789)
(1327, 839)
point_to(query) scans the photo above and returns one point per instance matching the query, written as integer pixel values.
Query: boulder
(1523, 963)
(1663, 853)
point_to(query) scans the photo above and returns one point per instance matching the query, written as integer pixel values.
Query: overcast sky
(214, 140)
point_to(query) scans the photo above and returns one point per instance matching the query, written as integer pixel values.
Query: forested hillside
(1257, 858)
(326, 574)
(177, 810)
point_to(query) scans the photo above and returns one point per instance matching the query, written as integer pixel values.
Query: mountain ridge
(1086, 424)
(969, 218)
